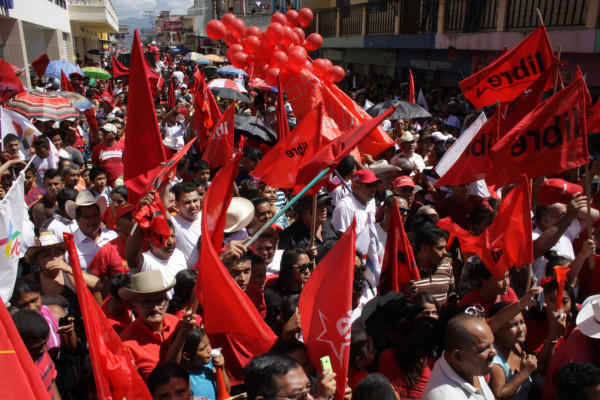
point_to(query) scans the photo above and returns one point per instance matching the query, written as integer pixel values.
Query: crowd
(457, 333)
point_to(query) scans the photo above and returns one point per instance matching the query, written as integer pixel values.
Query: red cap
(122, 210)
(108, 100)
(365, 176)
(557, 191)
(403, 181)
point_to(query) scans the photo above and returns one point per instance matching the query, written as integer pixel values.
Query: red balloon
(321, 68)
(300, 33)
(240, 59)
(296, 59)
(261, 70)
(305, 17)
(329, 63)
(275, 33)
(337, 73)
(266, 50)
(227, 18)
(279, 18)
(236, 48)
(291, 16)
(313, 42)
(272, 75)
(284, 48)
(230, 40)
(215, 29)
(251, 45)
(279, 60)
(308, 65)
(237, 28)
(289, 36)
(253, 31)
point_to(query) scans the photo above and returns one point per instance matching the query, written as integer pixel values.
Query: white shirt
(444, 383)
(564, 248)
(87, 247)
(168, 268)
(59, 225)
(176, 131)
(187, 234)
(180, 77)
(275, 265)
(340, 190)
(41, 166)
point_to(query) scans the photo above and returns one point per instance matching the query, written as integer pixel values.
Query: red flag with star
(325, 308)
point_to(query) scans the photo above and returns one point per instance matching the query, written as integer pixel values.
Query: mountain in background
(134, 23)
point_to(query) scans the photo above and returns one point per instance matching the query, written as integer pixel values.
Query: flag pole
(313, 226)
(589, 211)
(288, 205)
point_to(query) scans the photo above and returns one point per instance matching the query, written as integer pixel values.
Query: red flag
(231, 316)
(65, 83)
(140, 167)
(40, 64)
(561, 279)
(507, 242)
(20, 378)
(171, 98)
(332, 153)
(399, 266)
(109, 89)
(220, 145)
(411, 88)
(10, 84)
(283, 129)
(118, 69)
(206, 110)
(325, 308)
(474, 162)
(279, 167)
(511, 73)
(114, 370)
(90, 116)
(593, 118)
(550, 139)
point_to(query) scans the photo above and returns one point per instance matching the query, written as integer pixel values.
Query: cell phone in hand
(63, 321)
(326, 364)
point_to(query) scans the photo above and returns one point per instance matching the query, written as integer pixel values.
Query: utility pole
(152, 15)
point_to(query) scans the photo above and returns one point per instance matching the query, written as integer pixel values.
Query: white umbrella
(226, 83)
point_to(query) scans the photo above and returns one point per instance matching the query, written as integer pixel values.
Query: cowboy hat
(44, 241)
(381, 166)
(145, 284)
(85, 198)
(588, 319)
(406, 137)
(239, 214)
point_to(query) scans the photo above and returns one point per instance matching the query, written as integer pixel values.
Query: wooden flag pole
(589, 211)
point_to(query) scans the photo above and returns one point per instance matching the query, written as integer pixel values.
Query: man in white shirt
(408, 144)
(188, 222)
(460, 372)
(90, 236)
(60, 222)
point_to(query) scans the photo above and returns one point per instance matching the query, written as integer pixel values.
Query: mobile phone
(326, 364)
(64, 320)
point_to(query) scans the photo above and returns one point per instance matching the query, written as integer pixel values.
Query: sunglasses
(476, 310)
(404, 209)
(302, 268)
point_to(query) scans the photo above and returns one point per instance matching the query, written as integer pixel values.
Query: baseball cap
(122, 210)
(108, 100)
(403, 181)
(109, 128)
(365, 176)
(440, 137)
(557, 191)
(184, 86)
(271, 109)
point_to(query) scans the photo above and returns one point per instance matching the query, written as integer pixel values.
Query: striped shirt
(438, 284)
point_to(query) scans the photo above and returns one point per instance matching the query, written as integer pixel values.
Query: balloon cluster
(282, 46)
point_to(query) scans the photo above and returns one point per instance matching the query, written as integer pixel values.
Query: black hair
(183, 164)
(22, 286)
(183, 187)
(52, 173)
(289, 306)
(200, 184)
(95, 172)
(257, 201)
(121, 190)
(439, 151)
(256, 260)
(249, 189)
(346, 166)
(9, 137)
(247, 256)
(359, 345)
(288, 260)
(421, 221)
(423, 298)
(53, 133)
(31, 325)
(554, 260)
(429, 235)
(253, 153)
(199, 165)
(573, 378)
(359, 282)
(416, 342)
(497, 307)
(42, 141)
(374, 386)
(163, 373)
(65, 194)
(183, 290)
(480, 272)
(192, 341)
(480, 214)
(261, 374)
(287, 346)
(118, 281)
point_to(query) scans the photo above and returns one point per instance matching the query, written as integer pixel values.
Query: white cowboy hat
(381, 166)
(85, 198)
(44, 241)
(239, 214)
(145, 284)
(407, 137)
(588, 319)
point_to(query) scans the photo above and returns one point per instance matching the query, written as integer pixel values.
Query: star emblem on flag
(337, 335)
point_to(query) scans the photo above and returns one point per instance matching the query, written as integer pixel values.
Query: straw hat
(381, 166)
(85, 198)
(239, 214)
(45, 241)
(406, 137)
(145, 284)
(588, 319)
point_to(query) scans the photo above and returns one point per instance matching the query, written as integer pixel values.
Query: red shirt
(461, 213)
(389, 366)
(118, 321)
(147, 347)
(45, 368)
(537, 329)
(474, 297)
(258, 299)
(179, 314)
(110, 159)
(355, 376)
(110, 259)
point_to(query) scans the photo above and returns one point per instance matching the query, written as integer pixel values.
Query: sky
(136, 8)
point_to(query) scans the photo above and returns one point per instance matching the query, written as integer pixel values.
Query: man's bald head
(459, 331)
(405, 166)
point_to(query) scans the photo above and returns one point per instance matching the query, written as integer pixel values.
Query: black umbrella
(96, 52)
(405, 110)
(226, 93)
(255, 128)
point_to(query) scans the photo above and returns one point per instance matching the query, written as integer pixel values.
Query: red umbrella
(37, 105)
(260, 84)
(226, 83)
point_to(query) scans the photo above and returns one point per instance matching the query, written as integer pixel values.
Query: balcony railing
(558, 13)
(470, 16)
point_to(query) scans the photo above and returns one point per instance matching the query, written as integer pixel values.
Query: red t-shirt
(461, 213)
(110, 159)
(118, 321)
(179, 314)
(258, 299)
(355, 376)
(474, 297)
(537, 329)
(389, 366)
(110, 259)
(45, 368)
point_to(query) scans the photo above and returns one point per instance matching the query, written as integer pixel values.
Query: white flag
(11, 228)
(421, 100)
(456, 150)
(15, 123)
